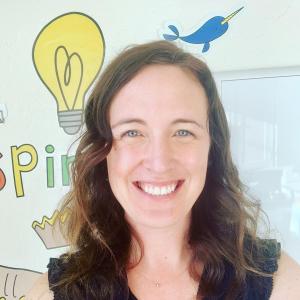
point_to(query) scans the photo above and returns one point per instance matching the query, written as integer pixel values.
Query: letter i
(50, 166)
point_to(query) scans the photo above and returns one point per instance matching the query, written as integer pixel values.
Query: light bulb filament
(69, 73)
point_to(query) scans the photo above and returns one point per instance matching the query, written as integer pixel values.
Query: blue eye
(131, 133)
(183, 132)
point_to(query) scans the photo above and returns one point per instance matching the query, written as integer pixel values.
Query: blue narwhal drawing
(209, 31)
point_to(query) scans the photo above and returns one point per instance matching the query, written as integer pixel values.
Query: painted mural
(49, 229)
(20, 168)
(212, 29)
(14, 282)
(3, 113)
(2, 177)
(67, 54)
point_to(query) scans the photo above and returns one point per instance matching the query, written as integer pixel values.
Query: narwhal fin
(174, 29)
(170, 37)
(205, 47)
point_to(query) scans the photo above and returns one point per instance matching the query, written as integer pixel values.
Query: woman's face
(157, 165)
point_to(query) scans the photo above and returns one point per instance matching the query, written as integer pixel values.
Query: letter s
(2, 177)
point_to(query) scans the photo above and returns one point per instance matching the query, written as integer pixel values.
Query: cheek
(121, 160)
(195, 162)
(196, 156)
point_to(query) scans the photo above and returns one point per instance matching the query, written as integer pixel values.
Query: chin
(158, 219)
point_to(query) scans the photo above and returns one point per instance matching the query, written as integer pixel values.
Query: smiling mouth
(158, 189)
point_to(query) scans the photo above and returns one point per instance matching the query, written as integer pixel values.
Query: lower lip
(160, 198)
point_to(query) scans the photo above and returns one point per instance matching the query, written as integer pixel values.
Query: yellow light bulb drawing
(68, 54)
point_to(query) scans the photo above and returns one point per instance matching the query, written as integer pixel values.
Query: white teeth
(157, 191)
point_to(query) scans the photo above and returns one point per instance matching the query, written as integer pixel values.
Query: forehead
(160, 91)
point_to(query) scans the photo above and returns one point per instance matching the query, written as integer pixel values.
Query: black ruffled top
(256, 287)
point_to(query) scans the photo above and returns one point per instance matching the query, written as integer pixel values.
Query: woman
(157, 207)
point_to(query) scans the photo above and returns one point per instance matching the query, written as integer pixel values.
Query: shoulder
(40, 290)
(286, 279)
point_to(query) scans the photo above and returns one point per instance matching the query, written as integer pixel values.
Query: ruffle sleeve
(266, 255)
(55, 269)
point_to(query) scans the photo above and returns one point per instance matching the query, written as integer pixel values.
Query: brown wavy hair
(223, 220)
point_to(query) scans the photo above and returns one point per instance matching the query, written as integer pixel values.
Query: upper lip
(159, 183)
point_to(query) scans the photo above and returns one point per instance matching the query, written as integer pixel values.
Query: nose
(159, 155)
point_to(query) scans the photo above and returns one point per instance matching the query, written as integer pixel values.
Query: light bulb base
(70, 121)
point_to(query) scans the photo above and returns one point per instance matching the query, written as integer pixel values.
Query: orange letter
(2, 178)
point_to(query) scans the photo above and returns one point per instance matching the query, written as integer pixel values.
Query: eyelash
(135, 131)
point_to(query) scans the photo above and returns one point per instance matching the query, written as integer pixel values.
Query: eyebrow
(140, 121)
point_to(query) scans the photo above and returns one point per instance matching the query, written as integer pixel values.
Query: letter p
(18, 168)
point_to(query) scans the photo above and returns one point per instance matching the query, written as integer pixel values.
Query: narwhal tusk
(231, 16)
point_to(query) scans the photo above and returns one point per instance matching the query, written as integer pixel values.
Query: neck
(163, 248)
